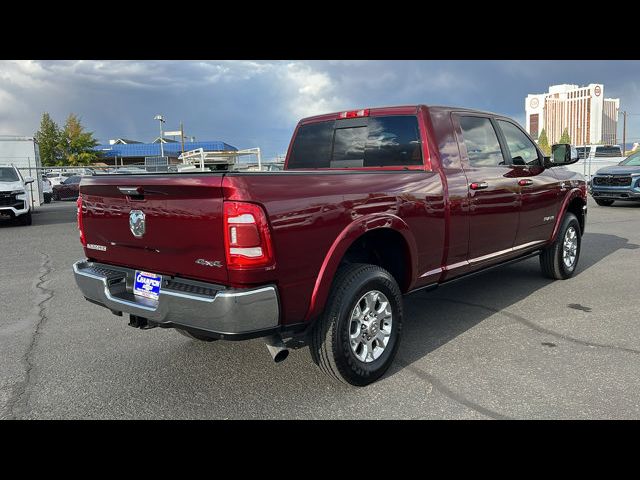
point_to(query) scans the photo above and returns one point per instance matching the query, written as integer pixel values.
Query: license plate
(147, 285)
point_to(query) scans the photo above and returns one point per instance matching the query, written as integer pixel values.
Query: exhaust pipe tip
(281, 356)
(278, 350)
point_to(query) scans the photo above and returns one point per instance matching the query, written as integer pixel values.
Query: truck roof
(396, 110)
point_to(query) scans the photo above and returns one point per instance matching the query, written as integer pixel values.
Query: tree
(565, 138)
(543, 143)
(48, 138)
(76, 144)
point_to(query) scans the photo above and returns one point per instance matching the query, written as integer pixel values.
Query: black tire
(551, 258)
(24, 219)
(195, 336)
(56, 197)
(604, 203)
(330, 343)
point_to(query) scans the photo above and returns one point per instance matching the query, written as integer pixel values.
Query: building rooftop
(153, 149)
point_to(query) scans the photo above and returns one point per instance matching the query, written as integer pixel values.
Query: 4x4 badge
(137, 223)
(209, 263)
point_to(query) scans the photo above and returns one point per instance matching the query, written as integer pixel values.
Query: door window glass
(523, 151)
(481, 141)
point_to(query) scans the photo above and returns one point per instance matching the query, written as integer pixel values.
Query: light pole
(161, 119)
(624, 133)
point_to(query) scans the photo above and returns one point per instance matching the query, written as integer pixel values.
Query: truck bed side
(310, 211)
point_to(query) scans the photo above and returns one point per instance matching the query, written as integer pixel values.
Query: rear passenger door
(493, 190)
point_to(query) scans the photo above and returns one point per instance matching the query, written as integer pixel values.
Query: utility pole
(624, 133)
(161, 119)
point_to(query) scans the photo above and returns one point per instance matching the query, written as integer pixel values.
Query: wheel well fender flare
(570, 197)
(349, 235)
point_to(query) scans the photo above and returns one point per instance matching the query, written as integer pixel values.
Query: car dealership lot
(507, 343)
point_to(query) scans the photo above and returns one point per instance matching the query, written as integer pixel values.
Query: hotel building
(589, 117)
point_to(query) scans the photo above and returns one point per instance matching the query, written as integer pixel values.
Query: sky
(258, 103)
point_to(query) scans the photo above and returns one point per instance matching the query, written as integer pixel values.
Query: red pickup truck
(372, 204)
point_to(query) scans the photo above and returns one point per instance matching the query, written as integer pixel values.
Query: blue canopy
(153, 149)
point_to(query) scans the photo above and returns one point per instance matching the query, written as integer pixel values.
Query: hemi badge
(93, 246)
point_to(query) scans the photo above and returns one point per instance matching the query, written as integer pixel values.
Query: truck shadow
(180, 378)
(434, 318)
(624, 205)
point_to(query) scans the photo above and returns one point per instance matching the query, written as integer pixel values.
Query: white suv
(15, 200)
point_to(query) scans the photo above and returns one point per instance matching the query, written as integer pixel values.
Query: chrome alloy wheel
(570, 247)
(370, 326)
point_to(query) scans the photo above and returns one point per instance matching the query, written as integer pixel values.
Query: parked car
(56, 178)
(15, 199)
(68, 189)
(47, 189)
(595, 157)
(396, 199)
(620, 182)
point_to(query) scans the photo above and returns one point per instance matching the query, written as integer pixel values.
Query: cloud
(309, 92)
(257, 103)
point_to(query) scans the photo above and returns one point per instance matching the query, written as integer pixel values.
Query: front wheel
(604, 203)
(25, 219)
(559, 260)
(356, 339)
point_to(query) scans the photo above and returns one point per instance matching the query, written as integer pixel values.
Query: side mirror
(28, 180)
(562, 154)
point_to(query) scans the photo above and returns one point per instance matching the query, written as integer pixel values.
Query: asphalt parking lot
(505, 344)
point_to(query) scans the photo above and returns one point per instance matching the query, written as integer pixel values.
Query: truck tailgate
(183, 233)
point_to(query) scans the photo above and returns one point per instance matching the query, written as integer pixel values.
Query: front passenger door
(539, 187)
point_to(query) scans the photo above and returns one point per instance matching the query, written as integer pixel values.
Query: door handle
(131, 190)
(478, 185)
(525, 182)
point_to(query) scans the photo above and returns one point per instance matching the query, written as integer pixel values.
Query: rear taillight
(355, 113)
(246, 236)
(83, 241)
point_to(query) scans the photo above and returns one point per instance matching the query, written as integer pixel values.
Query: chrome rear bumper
(187, 303)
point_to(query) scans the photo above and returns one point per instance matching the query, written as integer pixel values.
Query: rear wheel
(604, 203)
(195, 336)
(356, 339)
(559, 260)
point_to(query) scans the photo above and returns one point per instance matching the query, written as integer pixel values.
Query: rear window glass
(349, 144)
(608, 152)
(376, 142)
(312, 146)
